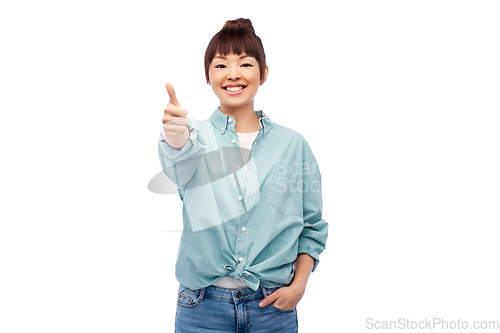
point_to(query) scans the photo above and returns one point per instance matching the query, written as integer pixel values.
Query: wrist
(298, 285)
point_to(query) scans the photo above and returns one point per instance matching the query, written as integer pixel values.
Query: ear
(265, 76)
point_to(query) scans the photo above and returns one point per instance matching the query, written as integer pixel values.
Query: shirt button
(237, 167)
(243, 228)
(240, 197)
(229, 120)
(251, 196)
(234, 140)
(251, 169)
(240, 259)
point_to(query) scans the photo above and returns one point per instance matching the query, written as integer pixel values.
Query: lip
(234, 92)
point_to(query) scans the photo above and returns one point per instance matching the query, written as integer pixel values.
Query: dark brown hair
(237, 37)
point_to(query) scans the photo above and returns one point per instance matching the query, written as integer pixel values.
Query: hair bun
(239, 23)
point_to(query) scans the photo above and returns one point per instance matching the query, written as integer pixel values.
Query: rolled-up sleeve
(180, 164)
(313, 237)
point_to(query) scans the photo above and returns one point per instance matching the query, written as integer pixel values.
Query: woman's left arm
(287, 298)
(312, 239)
(304, 264)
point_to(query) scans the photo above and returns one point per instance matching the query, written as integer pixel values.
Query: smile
(234, 90)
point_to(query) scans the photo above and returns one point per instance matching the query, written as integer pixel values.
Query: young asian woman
(252, 207)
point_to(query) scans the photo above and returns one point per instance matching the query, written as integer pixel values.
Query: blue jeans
(214, 309)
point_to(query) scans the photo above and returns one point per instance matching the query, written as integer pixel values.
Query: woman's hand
(285, 298)
(175, 123)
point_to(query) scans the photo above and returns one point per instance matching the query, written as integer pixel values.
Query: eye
(247, 64)
(219, 65)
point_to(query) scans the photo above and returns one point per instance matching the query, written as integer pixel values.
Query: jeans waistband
(235, 294)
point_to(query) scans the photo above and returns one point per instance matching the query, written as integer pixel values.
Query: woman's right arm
(180, 147)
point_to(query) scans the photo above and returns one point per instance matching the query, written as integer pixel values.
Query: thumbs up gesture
(175, 123)
(174, 118)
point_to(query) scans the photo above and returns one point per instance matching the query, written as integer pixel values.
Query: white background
(399, 101)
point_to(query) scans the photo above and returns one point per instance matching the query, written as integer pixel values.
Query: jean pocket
(281, 310)
(284, 193)
(269, 291)
(189, 298)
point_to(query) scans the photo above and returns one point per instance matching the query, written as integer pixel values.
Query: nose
(234, 73)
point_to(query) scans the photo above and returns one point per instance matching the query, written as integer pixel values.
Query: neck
(246, 121)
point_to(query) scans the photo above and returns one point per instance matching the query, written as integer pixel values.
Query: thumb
(171, 94)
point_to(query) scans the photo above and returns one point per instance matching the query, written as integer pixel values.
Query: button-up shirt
(244, 225)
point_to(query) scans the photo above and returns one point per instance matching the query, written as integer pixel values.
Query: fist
(174, 118)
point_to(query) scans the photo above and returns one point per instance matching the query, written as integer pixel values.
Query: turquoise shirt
(250, 226)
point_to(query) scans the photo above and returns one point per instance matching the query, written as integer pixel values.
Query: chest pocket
(285, 194)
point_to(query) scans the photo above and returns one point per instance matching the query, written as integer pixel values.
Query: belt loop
(202, 294)
(264, 291)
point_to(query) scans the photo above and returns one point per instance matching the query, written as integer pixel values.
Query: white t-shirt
(246, 141)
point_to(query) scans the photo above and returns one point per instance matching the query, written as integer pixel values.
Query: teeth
(234, 88)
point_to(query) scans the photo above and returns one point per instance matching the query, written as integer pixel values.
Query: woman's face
(235, 79)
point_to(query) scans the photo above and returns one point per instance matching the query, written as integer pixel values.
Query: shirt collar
(221, 120)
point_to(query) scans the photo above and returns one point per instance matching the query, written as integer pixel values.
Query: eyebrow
(241, 57)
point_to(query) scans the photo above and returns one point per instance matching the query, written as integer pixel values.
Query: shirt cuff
(312, 248)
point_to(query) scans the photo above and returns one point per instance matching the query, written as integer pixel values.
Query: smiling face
(235, 79)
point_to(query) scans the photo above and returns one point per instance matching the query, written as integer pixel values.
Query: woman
(251, 192)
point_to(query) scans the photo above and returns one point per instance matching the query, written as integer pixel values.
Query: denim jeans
(214, 309)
